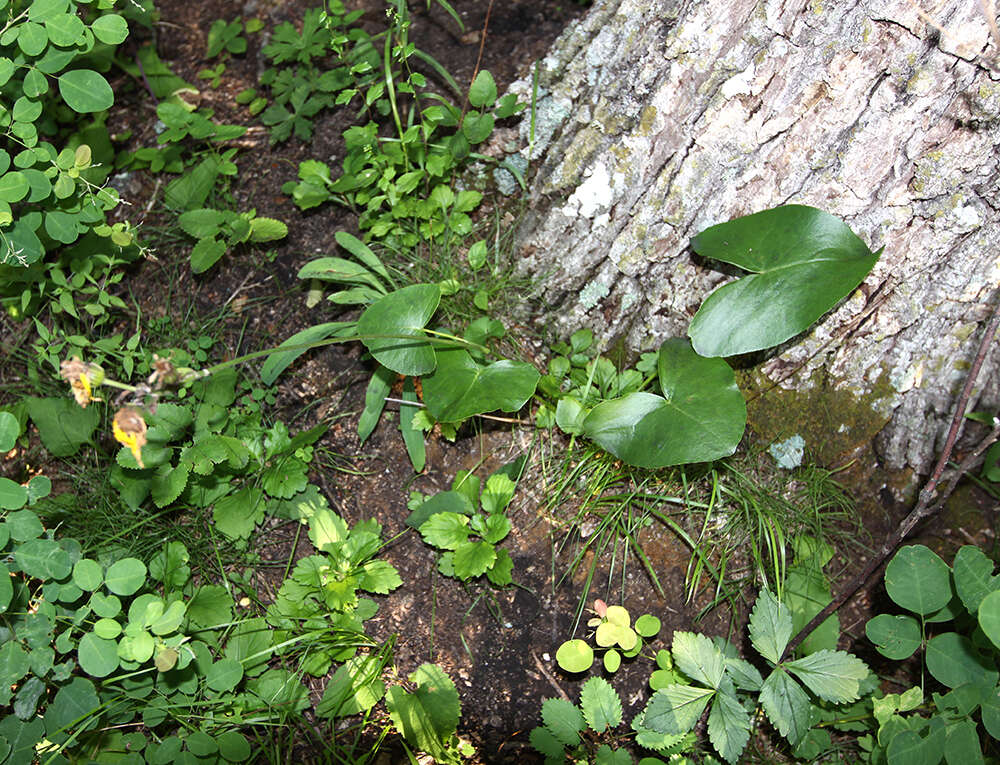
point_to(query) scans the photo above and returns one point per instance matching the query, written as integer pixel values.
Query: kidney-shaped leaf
(700, 417)
(460, 388)
(804, 261)
(392, 329)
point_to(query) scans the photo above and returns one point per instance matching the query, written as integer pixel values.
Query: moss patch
(834, 422)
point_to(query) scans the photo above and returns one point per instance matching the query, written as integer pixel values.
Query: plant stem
(923, 508)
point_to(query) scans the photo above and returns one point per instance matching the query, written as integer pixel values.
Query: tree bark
(657, 118)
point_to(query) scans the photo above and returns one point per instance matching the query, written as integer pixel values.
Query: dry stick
(923, 507)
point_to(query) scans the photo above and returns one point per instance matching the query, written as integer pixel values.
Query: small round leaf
(98, 657)
(575, 656)
(126, 576)
(224, 675)
(989, 617)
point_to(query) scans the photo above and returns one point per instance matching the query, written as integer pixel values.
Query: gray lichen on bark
(658, 118)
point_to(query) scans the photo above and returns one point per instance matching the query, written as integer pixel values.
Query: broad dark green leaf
(989, 617)
(460, 388)
(786, 704)
(85, 91)
(429, 716)
(72, 710)
(918, 580)
(974, 578)
(392, 329)
(62, 425)
(804, 261)
(483, 91)
(728, 726)
(953, 661)
(895, 636)
(701, 416)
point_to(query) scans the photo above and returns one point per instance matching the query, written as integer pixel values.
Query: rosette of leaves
(321, 599)
(733, 686)
(217, 231)
(952, 613)
(614, 633)
(452, 522)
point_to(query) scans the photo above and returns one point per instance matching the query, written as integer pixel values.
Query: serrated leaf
(205, 254)
(676, 708)
(602, 708)
(472, 559)
(786, 705)
(832, 675)
(445, 530)
(379, 576)
(698, 658)
(744, 675)
(543, 741)
(238, 514)
(167, 483)
(500, 573)
(770, 627)
(202, 223)
(564, 721)
(267, 230)
(728, 726)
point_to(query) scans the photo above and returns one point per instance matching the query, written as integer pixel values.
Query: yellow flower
(130, 430)
(81, 377)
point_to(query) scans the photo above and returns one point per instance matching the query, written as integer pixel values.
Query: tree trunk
(657, 118)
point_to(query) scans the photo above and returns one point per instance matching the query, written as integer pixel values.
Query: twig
(548, 676)
(923, 508)
(479, 58)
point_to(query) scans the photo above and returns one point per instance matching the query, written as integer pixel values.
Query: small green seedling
(219, 230)
(614, 633)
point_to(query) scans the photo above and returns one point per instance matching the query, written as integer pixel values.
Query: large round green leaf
(953, 660)
(700, 417)
(918, 580)
(804, 261)
(85, 91)
(125, 576)
(575, 656)
(895, 636)
(460, 388)
(989, 617)
(98, 657)
(392, 329)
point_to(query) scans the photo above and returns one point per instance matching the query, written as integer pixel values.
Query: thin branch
(923, 508)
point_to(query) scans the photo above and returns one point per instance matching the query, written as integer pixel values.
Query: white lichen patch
(595, 193)
(788, 453)
(739, 84)
(592, 294)
(906, 378)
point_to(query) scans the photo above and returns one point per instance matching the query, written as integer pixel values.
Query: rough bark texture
(658, 118)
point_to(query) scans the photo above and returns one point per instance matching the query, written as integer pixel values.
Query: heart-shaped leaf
(804, 261)
(460, 388)
(392, 329)
(700, 417)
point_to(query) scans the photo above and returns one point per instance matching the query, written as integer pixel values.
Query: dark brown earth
(498, 646)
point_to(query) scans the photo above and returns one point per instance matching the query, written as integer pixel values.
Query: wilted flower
(130, 430)
(164, 373)
(82, 378)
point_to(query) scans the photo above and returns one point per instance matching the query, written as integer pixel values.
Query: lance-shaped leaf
(804, 261)
(701, 416)
(392, 328)
(299, 343)
(460, 388)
